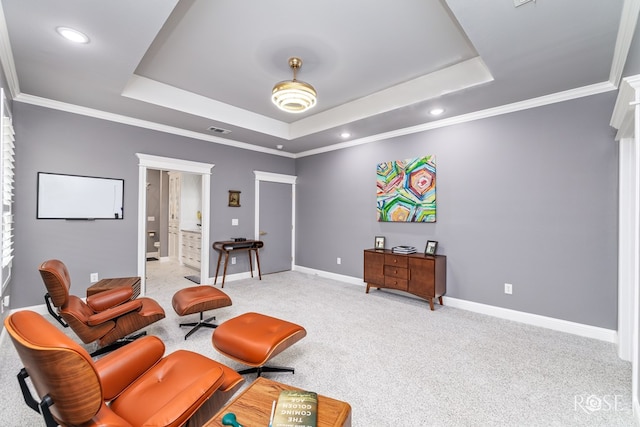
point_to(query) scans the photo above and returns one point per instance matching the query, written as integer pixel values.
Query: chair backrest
(58, 367)
(57, 280)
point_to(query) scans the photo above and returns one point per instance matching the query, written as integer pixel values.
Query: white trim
(626, 237)
(554, 98)
(148, 161)
(329, 275)
(622, 116)
(157, 93)
(275, 177)
(118, 118)
(283, 179)
(6, 57)
(588, 331)
(635, 358)
(452, 79)
(626, 30)
(500, 110)
(560, 325)
(626, 119)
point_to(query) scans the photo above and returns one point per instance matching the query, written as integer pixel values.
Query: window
(7, 152)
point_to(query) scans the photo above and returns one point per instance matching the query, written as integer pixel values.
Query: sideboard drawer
(397, 272)
(395, 283)
(397, 260)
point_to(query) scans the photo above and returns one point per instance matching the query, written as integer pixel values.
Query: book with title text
(296, 408)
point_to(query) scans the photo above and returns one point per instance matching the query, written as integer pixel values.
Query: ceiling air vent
(219, 130)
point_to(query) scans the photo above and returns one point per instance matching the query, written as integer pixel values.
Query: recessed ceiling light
(436, 111)
(72, 35)
(345, 135)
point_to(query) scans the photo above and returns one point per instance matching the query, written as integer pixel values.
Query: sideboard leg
(440, 299)
(431, 303)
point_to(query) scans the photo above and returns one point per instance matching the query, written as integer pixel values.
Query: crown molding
(98, 114)
(626, 30)
(622, 118)
(6, 57)
(482, 114)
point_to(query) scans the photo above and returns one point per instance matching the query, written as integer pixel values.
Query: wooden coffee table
(253, 406)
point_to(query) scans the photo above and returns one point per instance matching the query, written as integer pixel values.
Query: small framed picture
(234, 198)
(379, 243)
(431, 247)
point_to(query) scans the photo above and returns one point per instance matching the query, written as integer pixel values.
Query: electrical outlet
(93, 277)
(234, 221)
(508, 288)
(339, 260)
(151, 218)
(233, 260)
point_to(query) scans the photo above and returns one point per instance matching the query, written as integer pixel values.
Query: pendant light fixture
(294, 96)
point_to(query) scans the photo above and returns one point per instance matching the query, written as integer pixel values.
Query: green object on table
(229, 419)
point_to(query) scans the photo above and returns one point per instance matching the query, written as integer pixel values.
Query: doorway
(174, 229)
(275, 220)
(203, 170)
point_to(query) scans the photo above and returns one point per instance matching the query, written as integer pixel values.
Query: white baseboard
(232, 277)
(328, 275)
(574, 328)
(560, 325)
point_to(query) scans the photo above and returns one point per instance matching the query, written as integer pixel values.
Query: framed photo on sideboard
(431, 247)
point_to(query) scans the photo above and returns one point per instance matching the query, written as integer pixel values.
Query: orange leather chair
(131, 386)
(107, 317)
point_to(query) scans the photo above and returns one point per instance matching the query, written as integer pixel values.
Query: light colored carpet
(398, 363)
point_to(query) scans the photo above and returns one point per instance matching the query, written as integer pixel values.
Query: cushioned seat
(253, 339)
(198, 299)
(108, 317)
(135, 385)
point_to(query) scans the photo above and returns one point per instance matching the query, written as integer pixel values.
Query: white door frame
(626, 119)
(148, 161)
(284, 179)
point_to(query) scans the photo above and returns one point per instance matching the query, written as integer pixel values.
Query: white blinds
(7, 153)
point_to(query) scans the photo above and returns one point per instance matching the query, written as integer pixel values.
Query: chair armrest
(112, 313)
(110, 298)
(121, 367)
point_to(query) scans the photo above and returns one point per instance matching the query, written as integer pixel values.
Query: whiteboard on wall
(63, 196)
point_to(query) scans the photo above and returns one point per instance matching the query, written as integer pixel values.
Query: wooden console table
(252, 407)
(115, 282)
(422, 275)
(225, 247)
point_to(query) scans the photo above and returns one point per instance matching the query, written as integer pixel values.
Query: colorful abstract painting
(407, 190)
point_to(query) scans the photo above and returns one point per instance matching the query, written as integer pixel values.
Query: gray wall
(528, 198)
(55, 141)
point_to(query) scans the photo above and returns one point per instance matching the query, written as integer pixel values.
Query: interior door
(276, 224)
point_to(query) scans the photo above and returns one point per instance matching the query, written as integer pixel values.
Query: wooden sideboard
(422, 275)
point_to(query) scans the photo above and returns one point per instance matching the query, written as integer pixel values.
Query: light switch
(234, 221)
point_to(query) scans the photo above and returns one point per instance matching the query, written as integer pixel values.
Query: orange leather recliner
(107, 317)
(131, 386)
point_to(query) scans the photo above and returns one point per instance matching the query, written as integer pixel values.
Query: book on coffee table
(296, 408)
